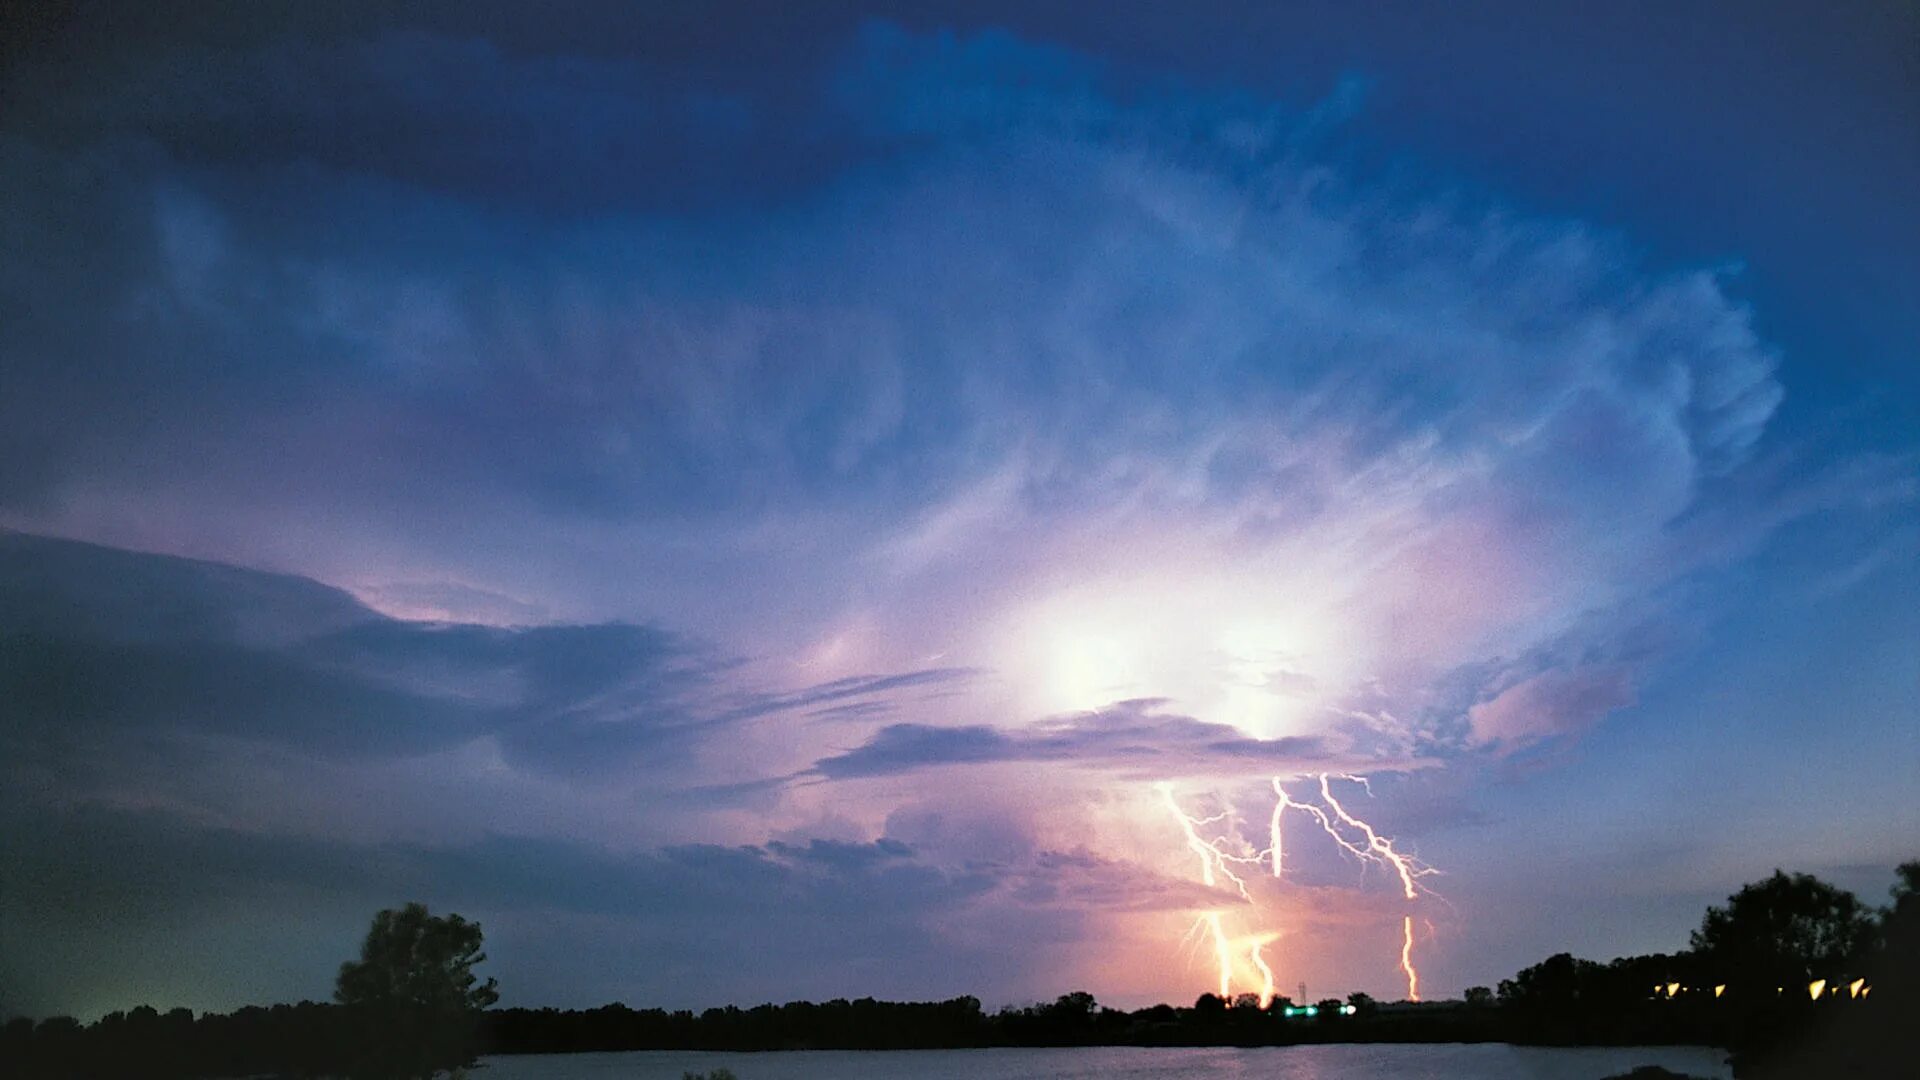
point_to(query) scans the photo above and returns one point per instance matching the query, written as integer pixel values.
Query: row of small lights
(1314, 1010)
(1858, 988)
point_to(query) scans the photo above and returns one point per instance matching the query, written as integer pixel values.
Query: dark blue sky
(748, 502)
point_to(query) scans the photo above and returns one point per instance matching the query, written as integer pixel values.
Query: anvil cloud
(618, 504)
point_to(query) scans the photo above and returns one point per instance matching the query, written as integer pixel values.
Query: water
(1373, 1061)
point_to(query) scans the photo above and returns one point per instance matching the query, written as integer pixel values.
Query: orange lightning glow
(1406, 960)
(1223, 954)
(1266, 973)
(1212, 866)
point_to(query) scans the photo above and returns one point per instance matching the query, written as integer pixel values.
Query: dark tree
(1556, 984)
(413, 996)
(1479, 996)
(1784, 931)
(1077, 1005)
(1896, 973)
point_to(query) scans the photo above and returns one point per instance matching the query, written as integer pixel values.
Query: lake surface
(1373, 1061)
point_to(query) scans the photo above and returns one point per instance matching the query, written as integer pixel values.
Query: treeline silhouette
(321, 1040)
(1797, 977)
(1569, 1002)
(1074, 1019)
(305, 1040)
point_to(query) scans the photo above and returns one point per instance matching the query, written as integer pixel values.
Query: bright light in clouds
(1088, 666)
(1214, 648)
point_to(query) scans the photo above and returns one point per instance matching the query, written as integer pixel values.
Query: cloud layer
(836, 498)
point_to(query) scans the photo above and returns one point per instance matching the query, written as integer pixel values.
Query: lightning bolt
(1408, 869)
(1406, 959)
(1212, 868)
(1223, 954)
(1276, 846)
(1213, 860)
(1218, 860)
(1380, 849)
(1266, 973)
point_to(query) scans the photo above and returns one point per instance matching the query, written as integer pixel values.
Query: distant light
(1311, 1010)
(1815, 988)
(1289, 1010)
(1721, 989)
(1349, 1010)
(1672, 989)
(1853, 988)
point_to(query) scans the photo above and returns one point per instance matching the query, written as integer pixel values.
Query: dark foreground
(1400, 1061)
(1773, 1037)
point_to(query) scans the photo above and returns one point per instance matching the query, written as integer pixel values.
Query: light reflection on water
(1378, 1061)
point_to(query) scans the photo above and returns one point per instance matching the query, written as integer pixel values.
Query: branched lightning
(1212, 867)
(1409, 869)
(1213, 861)
(1218, 859)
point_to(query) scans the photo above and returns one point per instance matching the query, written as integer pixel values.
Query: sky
(759, 502)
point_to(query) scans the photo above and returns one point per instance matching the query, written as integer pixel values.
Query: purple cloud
(1130, 738)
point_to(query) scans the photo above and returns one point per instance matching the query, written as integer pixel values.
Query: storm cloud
(771, 498)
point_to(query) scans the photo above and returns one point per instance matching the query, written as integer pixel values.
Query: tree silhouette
(1784, 931)
(1897, 970)
(413, 996)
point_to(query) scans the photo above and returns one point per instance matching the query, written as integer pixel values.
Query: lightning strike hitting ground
(1223, 953)
(1380, 848)
(1216, 860)
(1406, 960)
(1266, 973)
(1210, 861)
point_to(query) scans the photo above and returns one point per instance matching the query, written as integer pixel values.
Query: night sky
(749, 501)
